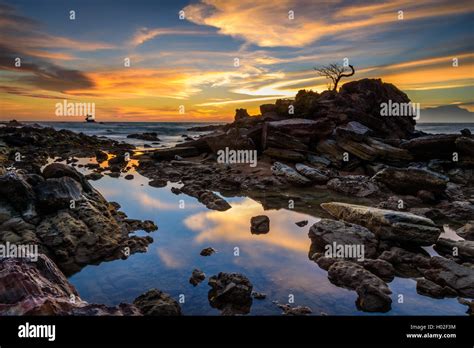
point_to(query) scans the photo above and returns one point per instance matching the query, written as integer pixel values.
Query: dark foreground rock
(230, 293)
(157, 303)
(387, 224)
(260, 224)
(39, 288)
(197, 277)
(374, 294)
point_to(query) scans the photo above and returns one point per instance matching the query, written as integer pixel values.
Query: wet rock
(446, 272)
(291, 175)
(314, 174)
(129, 177)
(15, 190)
(294, 311)
(145, 225)
(260, 224)
(381, 268)
(55, 194)
(301, 223)
(59, 170)
(326, 233)
(39, 288)
(469, 304)
(467, 231)
(259, 295)
(374, 294)
(101, 156)
(230, 293)
(208, 198)
(158, 183)
(459, 211)
(151, 136)
(94, 176)
(426, 287)
(353, 185)
(387, 224)
(157, 303)
(284, 154)
(197, 277)
(462, 249)
(207, 251)
(411, 180)
(407, 264)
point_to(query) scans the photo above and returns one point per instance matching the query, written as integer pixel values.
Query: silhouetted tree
(334, 72)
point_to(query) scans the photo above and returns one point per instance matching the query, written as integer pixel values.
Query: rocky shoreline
(396, 188)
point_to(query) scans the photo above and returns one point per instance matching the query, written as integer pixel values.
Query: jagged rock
(331, 150)
(59, 170)
(462, 249)
(151, 136)
(290, 174)
(285, 141)
(283, 154)
(314, 174)
(458, 210)
(207, 251)
(446, 272)
(55, 194)
(15, 190)
(157, 303)
(432, 146)
(411, 180)
(381, 268)
(469, 304)
(145, 225)
(208, 198)
(374, 294)
(230, 293)
(407, 264)
(171, 153)
(465, 145)
(101, 156)
(353, 185)
(241, 114)
(387, 224)
(325, 233)
(467, 231)
(259, 295)
(260, 224)
(428, 288)
(38, 287)
(197, 277)
(353, 130)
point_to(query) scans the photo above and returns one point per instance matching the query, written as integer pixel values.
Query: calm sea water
(276, 263)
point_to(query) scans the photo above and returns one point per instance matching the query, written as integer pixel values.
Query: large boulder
(38, 287)
(387, 224)
(327, 234)
(56, 194)
(432, 146)
(411, 180)
(374, 294)
(59, 170)
(446, 272)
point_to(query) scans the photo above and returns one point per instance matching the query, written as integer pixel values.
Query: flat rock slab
(387, 224)
(411, 180)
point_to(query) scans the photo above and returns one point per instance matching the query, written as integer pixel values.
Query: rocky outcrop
(374, 295)
(412, 180)
(39, 288)
(387, 224)
(230, 293)
(428, 288)
(446, 272)
(407, 264)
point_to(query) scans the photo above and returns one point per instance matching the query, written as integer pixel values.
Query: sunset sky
(191, 61)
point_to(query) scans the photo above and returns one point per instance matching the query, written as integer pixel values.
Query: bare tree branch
(334, 72)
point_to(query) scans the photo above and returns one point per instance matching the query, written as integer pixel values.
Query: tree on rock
(335, 72)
